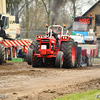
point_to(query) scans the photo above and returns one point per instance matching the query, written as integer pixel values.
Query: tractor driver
(53, 34)
(21, 53)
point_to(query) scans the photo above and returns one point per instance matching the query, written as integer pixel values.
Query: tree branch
(21, 8)
(45, 7)
(24, 5)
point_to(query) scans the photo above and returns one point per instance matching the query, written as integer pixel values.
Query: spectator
(21, 54)
(17, 51)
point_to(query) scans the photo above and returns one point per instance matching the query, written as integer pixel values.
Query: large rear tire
(36, 46)
(1, 53)
(37, 62)
(68, 48)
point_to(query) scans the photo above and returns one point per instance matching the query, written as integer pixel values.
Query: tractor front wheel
(59, 59)
(29, 56)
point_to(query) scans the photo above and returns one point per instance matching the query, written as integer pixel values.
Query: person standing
(21, 53)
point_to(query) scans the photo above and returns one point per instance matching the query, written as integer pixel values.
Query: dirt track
(22, 82)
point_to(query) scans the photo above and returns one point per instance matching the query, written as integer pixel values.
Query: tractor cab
(51, 40)
(82, 33)
(57, 29)
(80, 27)
(12, 29)
(50, 43)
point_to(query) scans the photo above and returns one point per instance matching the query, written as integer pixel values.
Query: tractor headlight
(64, 37)
(38, 36)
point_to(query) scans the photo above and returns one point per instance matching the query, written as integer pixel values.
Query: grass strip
(88, 95)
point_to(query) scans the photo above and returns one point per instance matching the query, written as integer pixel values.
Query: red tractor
(46, 50)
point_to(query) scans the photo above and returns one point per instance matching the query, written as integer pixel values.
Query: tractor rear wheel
(1, 53)
(68, 48)
(37, 62)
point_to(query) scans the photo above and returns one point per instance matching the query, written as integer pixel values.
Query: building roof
(87, 12)
(91, 8)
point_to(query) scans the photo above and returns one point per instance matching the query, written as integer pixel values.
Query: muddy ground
(22, 82)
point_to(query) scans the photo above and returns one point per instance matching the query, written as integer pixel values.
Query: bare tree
(37, 15)
(47, 9)
(13, 8)
(39, 12)
(74, 7)
(27, 19)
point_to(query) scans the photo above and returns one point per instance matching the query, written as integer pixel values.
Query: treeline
(34, 14)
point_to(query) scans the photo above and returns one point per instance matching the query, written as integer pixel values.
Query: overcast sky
(88, 5)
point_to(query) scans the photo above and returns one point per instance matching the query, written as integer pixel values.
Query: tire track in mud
(81, 87)
(21, 81)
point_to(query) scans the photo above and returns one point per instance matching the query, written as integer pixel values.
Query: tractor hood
(79, 35)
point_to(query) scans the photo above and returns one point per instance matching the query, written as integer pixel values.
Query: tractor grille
(44, 40)
(47, 44)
